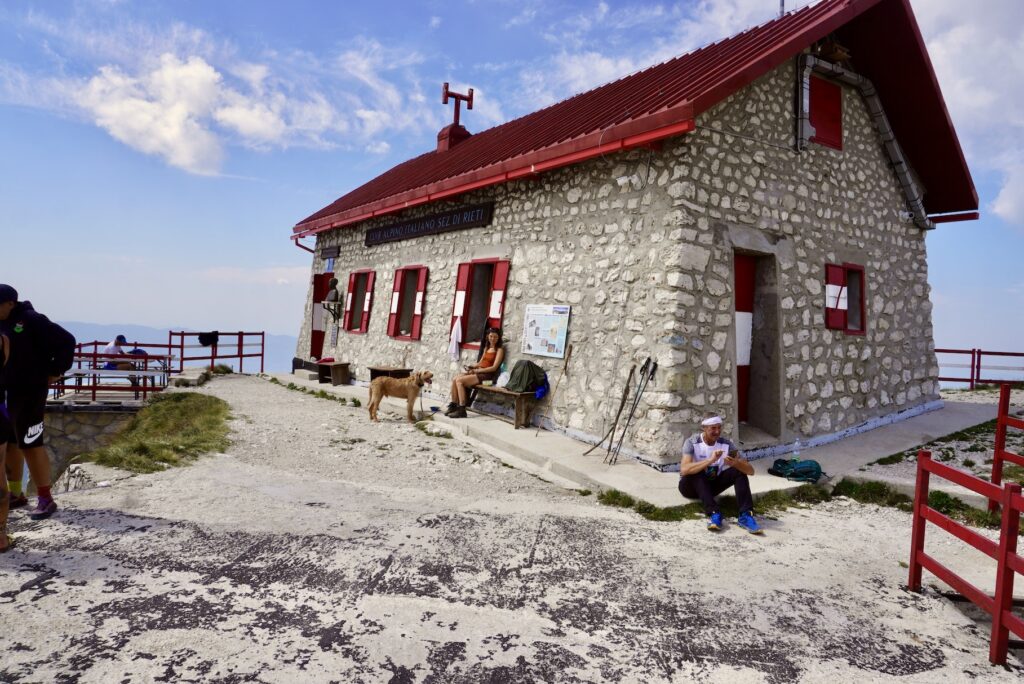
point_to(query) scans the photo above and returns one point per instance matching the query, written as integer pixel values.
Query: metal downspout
(810, 63)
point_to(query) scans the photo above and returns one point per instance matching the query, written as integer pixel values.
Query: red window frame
(363, 317)
(398, 300)
(826, 113)
(837, 278)
(464, 292)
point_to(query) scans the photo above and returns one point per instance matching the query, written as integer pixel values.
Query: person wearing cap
(40, 352)
(115, 349)
(712, 464)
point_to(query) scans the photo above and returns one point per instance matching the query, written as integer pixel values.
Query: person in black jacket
(6, 434)
(40, 352)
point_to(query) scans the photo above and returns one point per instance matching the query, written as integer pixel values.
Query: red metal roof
(663, 101)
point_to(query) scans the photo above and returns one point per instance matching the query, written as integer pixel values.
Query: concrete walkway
(560, 459)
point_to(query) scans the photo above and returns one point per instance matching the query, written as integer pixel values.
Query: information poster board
(545, 329)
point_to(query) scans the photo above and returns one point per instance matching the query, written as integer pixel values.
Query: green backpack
(797, 471)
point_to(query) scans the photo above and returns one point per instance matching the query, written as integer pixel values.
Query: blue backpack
(797, 471)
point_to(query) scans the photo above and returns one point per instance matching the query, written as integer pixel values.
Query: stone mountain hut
(751, 215)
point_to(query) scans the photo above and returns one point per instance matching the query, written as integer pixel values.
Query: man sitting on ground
(711, 464)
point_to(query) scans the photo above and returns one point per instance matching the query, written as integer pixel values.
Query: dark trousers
(700, 486)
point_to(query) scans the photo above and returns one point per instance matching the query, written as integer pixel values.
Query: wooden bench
(388, 371)
(334, 372)
(523, 402)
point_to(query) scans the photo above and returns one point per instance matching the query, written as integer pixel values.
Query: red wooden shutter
(347, 319)
(827, 113)
(461, 297)
(395, 295)
(421, 293)
(364, 324)
(835, 297)
(496, 307)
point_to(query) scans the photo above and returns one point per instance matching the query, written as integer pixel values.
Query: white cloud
(526, 16)
(379, 147)
(435, 22)
(179, 94)
(160, 113)
(979, 59)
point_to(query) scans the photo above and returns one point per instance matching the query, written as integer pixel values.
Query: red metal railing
(229, 346)
(93, 371)
(976, 369)
(1003, 421)
(1000, 605)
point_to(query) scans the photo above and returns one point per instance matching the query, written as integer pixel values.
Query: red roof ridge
(662, 100)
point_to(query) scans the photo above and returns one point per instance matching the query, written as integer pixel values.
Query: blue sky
(154, 155)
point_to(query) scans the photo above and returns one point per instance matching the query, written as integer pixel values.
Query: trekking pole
(610, 457)
(644, 380)
(622, 404)
(611, 443)
(551, 397)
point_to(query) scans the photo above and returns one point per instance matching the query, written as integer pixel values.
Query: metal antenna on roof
(782, 8)
(458, 97)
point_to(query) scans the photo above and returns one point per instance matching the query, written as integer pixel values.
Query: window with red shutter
(827, 113)
(844, 298)
(358, 301)
(407, 303)
(479, 298)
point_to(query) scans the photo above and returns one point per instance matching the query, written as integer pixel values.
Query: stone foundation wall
(74, 430)
(641, 245)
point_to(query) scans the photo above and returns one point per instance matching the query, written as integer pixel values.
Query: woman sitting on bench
(487, 367)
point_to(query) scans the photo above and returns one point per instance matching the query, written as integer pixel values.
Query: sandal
(10, 539)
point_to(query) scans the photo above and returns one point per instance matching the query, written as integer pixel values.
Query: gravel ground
(322, 547)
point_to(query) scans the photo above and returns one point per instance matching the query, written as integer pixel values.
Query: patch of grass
(172, 430)
(986, 429)
(223, 369)
(959, 510)
(877, 493)
(584, 492)
(356, 403)
(891, 460)
(613, 497)
(976, 447)
(423, 425)
(1013, 473)
(968, 463)
(770, 502)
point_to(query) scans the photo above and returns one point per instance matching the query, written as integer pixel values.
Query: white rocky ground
(322, 547)
(971, 450)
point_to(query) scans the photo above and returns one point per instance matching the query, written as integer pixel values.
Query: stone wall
(641, 245)
(72, 430)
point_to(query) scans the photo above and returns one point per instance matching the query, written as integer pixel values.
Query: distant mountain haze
(278, 353)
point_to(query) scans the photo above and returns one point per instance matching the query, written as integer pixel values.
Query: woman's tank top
(487, 360)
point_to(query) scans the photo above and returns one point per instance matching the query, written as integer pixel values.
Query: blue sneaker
(715, 522)
(747, 522)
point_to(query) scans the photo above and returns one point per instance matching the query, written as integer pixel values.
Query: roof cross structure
(459, 98)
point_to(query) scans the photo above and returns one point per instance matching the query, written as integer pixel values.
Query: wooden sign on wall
(470, 216)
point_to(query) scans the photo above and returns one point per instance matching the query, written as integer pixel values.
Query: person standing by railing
(40, 353)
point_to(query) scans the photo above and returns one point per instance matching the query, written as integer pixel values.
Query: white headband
(713, 420)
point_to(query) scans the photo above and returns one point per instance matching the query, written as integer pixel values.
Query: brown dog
(406, 388)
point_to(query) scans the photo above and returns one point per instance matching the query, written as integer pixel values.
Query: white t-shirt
(700, 450)
(113, 348)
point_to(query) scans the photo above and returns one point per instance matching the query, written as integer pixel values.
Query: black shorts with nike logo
(27, 411)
